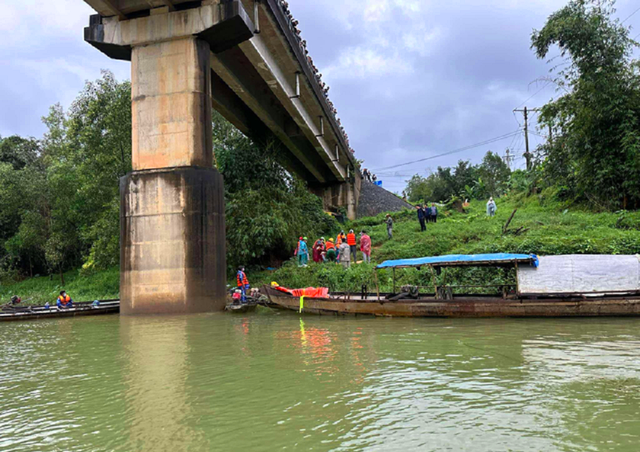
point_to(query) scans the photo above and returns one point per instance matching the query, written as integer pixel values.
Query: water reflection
(156, 351)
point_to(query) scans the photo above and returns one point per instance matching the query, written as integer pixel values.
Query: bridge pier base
(172, 241)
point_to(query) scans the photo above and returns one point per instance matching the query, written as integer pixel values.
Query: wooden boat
(78, 309)
(241, 308)
(553, 286)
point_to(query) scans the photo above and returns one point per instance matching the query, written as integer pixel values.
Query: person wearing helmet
(302, 252)
(331, 250)
(351, 241)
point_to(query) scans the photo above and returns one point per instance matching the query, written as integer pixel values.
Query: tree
(596, 123)
(267, 207)
(19, 152)
(494, 175)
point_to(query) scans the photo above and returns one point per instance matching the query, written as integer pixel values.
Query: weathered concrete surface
(172, 257)
(171, 106)
(345, 194)
(375, 200)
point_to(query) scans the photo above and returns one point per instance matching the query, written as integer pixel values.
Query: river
(272, 382)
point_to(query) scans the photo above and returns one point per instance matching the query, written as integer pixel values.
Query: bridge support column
(341, 195)
(172, 211)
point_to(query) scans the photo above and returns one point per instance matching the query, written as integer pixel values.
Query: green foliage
(596, 123)
(19, 152)
(465, 181)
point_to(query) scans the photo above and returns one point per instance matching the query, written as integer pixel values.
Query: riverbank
(99, 285)
(540, 226)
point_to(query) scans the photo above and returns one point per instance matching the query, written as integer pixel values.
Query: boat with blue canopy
(464, 260)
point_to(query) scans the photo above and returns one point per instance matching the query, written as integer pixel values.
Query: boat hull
(38, 313)
(471, 307)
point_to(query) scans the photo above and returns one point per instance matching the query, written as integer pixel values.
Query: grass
(81, 287)
(550, 228)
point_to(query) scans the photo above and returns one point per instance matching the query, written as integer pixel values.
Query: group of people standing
(368, 176)
(426, 215)
(344, 249)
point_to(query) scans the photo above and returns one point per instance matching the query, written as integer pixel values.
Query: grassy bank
(546, 227)
(81, 287)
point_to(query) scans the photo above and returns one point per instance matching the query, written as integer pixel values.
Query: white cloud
(363, 62)
(23, 21)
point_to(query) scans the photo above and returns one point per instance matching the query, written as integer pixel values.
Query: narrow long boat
(40, 312)
(552, 286)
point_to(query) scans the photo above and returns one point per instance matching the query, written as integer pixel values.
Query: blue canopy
(458, 260)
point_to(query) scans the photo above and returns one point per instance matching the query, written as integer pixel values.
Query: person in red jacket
(351, 241)
(365, 247)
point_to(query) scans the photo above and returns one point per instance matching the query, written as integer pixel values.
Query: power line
(466, 148)
(533, 95)
(630, 16)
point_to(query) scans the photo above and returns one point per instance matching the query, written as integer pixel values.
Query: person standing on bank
(421, 219)
(434, 212)
(351, 241)
(389, 222)
(302, 252)
(344, 254)
(427, 213)
(491, 207)
(365, 247)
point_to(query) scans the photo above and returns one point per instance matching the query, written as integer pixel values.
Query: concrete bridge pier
(341, 195)
(172, 210)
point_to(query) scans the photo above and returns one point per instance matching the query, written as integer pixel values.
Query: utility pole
(527, 154)
(508, 158)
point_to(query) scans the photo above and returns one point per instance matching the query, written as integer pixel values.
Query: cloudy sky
(411, 78)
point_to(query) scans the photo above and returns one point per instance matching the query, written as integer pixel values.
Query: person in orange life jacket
(351, 241)
(341, 238)
(242, 283)
(64, 301)
(331, 250)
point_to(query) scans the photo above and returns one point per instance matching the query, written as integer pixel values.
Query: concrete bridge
(244, 59)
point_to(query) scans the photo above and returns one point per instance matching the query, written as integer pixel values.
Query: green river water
(271, 382)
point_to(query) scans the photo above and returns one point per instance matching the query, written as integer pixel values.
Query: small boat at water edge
(78, 309)
(551, 286)
(241, 308)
